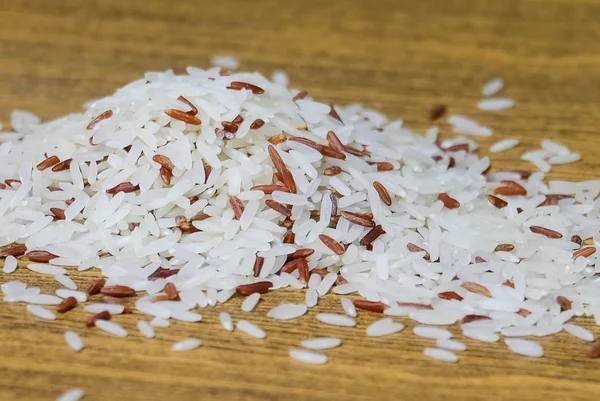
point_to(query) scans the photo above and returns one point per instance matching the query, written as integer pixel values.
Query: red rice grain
(48, 162)
(237, 85)
(183, 116)
(476, 288)
(103, 116)
(546, 232)
(370, 306)
(332, 244)
(448, 201)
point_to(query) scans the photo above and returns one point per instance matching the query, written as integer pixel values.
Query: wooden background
(396, 56)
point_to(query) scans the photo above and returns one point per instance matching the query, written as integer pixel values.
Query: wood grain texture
(396, 56)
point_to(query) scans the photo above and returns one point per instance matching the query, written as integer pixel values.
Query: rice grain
(311, 357)
(186, 345)
(321, 343)
(73, 341)
(440, 354)
(251, 329)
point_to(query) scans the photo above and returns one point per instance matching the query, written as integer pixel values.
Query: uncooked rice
(78, 295)
(384, 327)
(41, 312)
(111, 308)
(159, 322)
(111, 328)
(496, 104)
(10, 264)
(348, 307)
(492, 87)
(564, 159)
(321, 343)
(186, 316)
(451, 345)
(186, 345)
(145, 329)
(185, 189)
(250, 302)
(65, 281)
(315, 358)
(287, 311)
(335, 319)
(41, 299)
(578, 331)
(73, 341)
(251, 329)
(503, 145)
(481, 335)
(555, 148)
(524, 347)
(432, 332)
(46, 269)
(311, 298)
(226, 321)
(73, 394)
(541, 165)
(466, 126)
(440, 354)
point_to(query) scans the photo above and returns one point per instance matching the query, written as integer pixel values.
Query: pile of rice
(184, 188)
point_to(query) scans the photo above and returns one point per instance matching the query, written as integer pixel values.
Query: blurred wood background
(396, 56)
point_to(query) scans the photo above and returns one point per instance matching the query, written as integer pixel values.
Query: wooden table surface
(396, 56)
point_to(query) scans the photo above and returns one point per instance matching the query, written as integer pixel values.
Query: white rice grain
(311, 298)
(504, 145)
(73, 341)
(80, 296)
(555, 147)
(326, 284)
(466, 126)
(145, 329)
(186, 316)
(113, 309)
(42, 299)
(186, 345)
(496, 104)
(10, 264)
(384, 327)
(524, 347)
(111, 328)
(251, 329)
(335, 319)
(73, 394)
(315, 358)
(432, 332)
(541, 165)
(287, 311)
(440, 354)
(226, 321)
(66, 281)
(46, 269)
(321, 343)
(348, 307)
(492, 87)
(452, 345)
(481, 335)
(41, 312)
(578, 331)
(565, 159)
(250, 302)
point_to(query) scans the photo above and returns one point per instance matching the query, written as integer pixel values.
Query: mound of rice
(188, 187)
